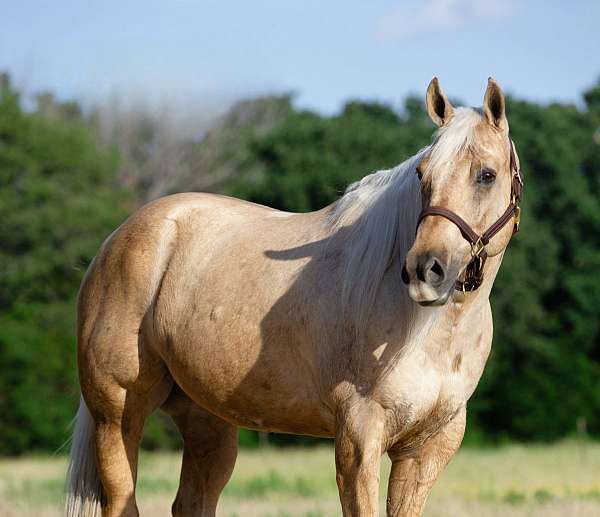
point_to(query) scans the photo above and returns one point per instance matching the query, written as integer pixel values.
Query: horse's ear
(494, 106)
(438, 106)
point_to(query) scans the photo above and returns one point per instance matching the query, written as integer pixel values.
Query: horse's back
(129, 268)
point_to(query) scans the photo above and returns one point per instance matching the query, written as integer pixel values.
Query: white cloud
(439, 15)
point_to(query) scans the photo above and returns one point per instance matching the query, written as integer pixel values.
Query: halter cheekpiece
(474, 270)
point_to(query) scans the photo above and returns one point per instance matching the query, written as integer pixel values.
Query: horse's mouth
(442, 300)
(429, 296)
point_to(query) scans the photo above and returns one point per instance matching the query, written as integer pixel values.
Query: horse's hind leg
(118, 435)
(119, 413)
(122, 378)
(122, 382)
(209, 454)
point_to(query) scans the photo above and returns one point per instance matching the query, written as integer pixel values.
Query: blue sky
(325, 51)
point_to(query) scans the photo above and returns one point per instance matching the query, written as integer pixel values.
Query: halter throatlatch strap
(474, 270)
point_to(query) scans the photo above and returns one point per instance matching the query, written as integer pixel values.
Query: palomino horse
(224, 313)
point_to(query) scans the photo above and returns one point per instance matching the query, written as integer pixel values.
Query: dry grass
(516, 481)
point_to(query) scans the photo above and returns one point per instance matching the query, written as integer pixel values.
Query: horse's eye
(486, 176)
(419, 172)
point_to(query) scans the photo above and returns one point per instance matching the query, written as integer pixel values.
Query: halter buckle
(517, 219)
(477, 248)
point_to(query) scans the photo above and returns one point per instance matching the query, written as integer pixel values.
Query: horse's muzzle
(430, 280)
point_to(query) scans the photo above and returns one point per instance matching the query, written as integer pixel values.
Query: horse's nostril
(435, 273)
(437, 268)
(429, 270)
(404, 275)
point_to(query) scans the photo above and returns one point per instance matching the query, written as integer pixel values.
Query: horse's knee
(413, 475)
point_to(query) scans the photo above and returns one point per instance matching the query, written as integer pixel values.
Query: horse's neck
(429, 327)
(463, 311)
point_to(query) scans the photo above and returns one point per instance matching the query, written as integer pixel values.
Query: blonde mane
(380, 215)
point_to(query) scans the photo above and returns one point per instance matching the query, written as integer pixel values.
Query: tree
(58, 201)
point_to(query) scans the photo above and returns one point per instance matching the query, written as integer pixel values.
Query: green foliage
(160, 433)
(248, 439)
(308, 160)
(58, 200)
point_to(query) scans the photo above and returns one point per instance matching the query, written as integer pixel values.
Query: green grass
(514, 480)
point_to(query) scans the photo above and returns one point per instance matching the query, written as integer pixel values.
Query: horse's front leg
(358, 450)
(412, 478)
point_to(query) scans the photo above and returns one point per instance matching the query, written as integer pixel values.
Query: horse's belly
(256, 395)
(303, 417)
(249, 376)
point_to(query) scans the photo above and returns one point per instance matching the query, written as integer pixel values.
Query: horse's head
(470, 171)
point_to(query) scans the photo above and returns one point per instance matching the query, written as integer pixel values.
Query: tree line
(64, 186)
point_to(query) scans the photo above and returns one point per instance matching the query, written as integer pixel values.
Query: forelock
(454, 140)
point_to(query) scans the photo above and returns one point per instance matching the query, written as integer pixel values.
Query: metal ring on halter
(477, 248)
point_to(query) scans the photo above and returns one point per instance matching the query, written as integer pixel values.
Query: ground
(510, 481)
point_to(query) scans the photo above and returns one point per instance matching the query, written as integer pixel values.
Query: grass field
(550, 481)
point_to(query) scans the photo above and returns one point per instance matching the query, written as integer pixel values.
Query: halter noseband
(474, 270)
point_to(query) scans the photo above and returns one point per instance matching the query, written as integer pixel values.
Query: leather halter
(474, 270)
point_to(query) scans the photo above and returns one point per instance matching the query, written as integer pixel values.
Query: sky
(325, 52)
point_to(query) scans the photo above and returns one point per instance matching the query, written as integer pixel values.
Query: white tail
(84, 489)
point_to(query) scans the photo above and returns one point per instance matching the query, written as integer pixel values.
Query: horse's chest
(413, 426)
(419, 402)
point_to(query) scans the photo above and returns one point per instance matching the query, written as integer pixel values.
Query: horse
(367, 321)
